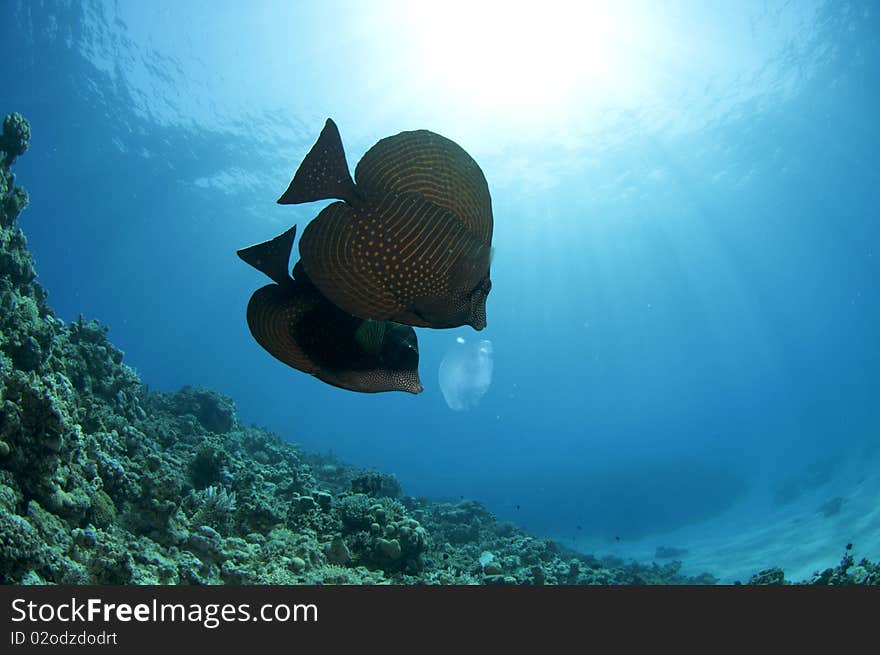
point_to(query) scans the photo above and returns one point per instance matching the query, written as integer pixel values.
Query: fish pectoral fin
(371, 335)
(271, 257)
(323, 174)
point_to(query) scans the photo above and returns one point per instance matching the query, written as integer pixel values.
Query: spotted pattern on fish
(435, 167)
(385, 261)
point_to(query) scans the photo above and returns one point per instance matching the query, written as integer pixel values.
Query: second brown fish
(298, 326)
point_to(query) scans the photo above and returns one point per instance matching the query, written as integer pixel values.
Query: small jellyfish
(466, 373)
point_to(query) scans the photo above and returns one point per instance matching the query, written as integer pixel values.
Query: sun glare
(514, 59)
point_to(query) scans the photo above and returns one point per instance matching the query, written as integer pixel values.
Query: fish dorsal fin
(439, 169)
(271, 257)
(323, 174)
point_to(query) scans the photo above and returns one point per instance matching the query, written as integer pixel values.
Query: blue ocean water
(684, 312)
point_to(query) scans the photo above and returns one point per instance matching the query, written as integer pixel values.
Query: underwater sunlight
(251, 294)
(521, 63)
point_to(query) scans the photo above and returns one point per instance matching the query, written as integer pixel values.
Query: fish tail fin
(323, 174)
(271, 257)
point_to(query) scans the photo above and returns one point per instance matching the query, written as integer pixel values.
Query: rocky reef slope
(103, 481)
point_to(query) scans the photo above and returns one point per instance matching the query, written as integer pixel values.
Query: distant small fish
(517, 506)
(579, 528)
(298, 326)
(616, 538)
(411, 242)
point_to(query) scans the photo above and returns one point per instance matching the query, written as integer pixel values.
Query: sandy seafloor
(797, 537)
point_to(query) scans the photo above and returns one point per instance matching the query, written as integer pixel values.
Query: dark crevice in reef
(103, 481)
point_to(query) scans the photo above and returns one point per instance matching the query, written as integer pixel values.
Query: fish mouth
(477, 317)
(410, 382)
(478, 320)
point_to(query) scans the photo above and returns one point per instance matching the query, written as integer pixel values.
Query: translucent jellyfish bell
(466, 373)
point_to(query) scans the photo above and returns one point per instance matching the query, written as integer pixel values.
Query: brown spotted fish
(410, 241)
(298, 326)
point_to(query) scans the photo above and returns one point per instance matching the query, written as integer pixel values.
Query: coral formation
(669, 552)
(845, 573)
(104, 481)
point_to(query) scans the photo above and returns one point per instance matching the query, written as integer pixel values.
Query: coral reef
(104, 481)
(845, 573)
(669, 552)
